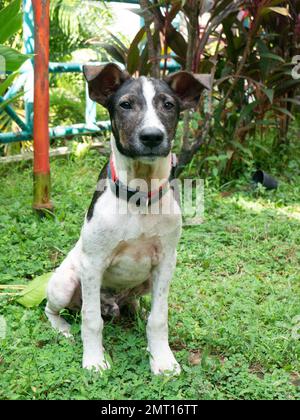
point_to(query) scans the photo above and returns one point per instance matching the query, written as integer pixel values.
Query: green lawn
(234, 305)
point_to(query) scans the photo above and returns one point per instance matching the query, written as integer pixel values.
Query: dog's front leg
(162, 360)
(92, 322)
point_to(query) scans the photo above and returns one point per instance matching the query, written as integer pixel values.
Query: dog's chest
(132, 244)
(132, 262)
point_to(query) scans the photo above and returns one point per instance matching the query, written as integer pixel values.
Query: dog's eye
(125, 105)
(168, 105)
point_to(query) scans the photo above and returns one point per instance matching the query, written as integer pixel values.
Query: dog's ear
(103, 81)
(188, 87)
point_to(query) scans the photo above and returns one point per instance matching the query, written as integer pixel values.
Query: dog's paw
(165, 364)
(97, 364)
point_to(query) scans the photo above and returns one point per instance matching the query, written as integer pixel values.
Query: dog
(122, 255)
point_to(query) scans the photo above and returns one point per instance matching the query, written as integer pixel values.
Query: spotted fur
(121, 255)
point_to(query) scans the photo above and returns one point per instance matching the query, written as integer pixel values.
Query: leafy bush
(247, 47)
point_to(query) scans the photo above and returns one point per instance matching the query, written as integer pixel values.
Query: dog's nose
(151, 137)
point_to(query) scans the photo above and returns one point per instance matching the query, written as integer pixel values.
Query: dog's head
(144, 112)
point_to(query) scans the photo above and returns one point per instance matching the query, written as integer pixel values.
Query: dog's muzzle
(151, 137)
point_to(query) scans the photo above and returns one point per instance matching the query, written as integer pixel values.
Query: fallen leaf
(35, 292)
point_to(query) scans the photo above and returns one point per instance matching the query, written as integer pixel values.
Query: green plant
(10, 22)
(247, 48)
(73, 23)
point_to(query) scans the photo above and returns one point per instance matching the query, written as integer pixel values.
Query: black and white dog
(123, 254)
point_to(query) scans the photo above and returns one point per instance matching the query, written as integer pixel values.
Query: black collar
(141, 198)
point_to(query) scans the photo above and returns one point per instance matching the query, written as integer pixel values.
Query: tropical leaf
(10, 20)
(13, 59)
(284, 111)
(280, 10)
(7, 82)
(269, 93)
(293, 101)
(35, 292)
(115, 52)
(176, 42)
(272, 56)
(10, 100)
(133, 56)
(284, 86)
(76, 22)
(137, 39)
(145, 66)
(133, 60)
(9, 11)
(118, 41)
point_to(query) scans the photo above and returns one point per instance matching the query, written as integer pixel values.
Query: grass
(234, 305)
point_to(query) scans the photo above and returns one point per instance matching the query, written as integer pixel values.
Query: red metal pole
(41, 167)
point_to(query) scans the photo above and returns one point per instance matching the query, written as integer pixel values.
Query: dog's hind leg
(60, 291)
